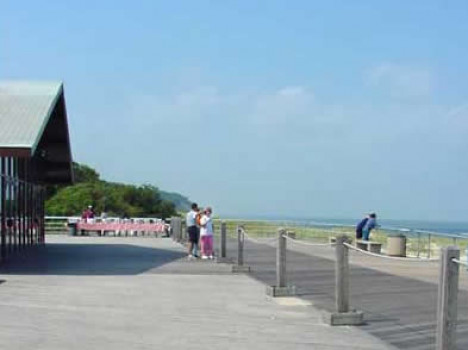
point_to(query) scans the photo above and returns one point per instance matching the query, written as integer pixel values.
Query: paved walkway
(142, 293)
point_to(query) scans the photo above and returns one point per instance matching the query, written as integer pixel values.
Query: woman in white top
(206, 234)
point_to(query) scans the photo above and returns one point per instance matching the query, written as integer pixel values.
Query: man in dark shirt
(360, 226)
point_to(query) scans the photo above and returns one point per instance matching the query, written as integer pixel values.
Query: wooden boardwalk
(398, 298)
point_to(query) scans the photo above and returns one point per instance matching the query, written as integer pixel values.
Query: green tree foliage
(84, 173)
(113, 198)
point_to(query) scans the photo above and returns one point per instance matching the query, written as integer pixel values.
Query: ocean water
(416, 225)
(439, 227)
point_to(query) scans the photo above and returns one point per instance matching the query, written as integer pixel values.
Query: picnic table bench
(373, 247)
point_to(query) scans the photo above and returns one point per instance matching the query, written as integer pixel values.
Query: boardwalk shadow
(88, 259)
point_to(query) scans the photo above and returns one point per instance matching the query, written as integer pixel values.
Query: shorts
(193, 234)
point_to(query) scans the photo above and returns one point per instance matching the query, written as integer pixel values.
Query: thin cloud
(293, 104)
(401, 81)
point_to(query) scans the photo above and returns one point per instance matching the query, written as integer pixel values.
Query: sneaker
(211, 257)
(190, 257)
(204, 257)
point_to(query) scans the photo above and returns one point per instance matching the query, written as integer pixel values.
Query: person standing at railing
(193, 231)
(206, 234)
(369, 226)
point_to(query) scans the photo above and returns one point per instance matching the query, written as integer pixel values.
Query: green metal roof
(25, 109)
(34, 125)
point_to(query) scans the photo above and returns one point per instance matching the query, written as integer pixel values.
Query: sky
(282, 108)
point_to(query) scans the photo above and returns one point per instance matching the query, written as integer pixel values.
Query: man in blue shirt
(360, 226)
(370, 224)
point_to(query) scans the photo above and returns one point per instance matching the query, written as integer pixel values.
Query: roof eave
(20, 152)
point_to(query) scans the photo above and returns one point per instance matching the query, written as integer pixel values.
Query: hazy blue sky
(298, 108)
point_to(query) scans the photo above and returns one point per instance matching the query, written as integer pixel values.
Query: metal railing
(419, 243)
(448, 257)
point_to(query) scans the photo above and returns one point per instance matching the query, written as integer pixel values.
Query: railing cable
(460, 262)
(306, 243)
(395, 258)
(265, 241)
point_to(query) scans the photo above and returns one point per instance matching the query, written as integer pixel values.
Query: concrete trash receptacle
(396, 245)
(72, 228)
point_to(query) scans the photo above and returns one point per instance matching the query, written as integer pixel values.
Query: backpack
(198, 219)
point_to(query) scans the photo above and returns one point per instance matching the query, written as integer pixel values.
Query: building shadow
(87, 259)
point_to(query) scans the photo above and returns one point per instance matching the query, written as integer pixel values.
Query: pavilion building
(34, 153)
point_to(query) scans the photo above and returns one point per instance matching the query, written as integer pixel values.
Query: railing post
(281, 259)
(447, 299)
(240, 246)
(466, 256)
(429, 247)
(222, 258)
(419, 243)
(281, 289)
(342, 275)
(223, 240)
(240, 267)
(342, 316)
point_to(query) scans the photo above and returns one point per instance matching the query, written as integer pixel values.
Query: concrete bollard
(447, 299)
(222, 258)
(176, 225)
(342, 316)
(281, 289)
(240, 267)
(172, 228)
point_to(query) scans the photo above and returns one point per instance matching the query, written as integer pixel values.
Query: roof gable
(34, 125)
(25, 109)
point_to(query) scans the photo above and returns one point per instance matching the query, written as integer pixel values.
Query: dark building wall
(21, 206)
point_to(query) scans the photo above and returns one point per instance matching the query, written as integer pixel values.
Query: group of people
(200, 232)
(365, 226)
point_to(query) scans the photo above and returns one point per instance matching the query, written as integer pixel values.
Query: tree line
(115, 199)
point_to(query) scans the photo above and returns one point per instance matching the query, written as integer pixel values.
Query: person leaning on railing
(369, 226)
